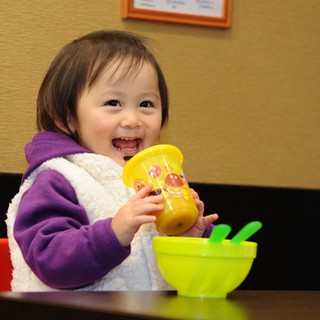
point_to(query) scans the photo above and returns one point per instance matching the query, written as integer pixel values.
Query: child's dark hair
(80, 63)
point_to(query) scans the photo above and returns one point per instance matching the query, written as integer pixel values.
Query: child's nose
(131, 119)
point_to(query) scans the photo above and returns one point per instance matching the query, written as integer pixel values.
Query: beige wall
(244, 101)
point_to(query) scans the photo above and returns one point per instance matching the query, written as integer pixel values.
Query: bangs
(131, 65)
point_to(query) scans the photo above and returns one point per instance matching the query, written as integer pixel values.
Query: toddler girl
(74, 224)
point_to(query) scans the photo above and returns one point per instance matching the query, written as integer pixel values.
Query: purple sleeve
(208, 231)
(56, 239)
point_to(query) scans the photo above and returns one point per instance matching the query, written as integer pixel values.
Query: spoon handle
(219, 233)
(246, 232)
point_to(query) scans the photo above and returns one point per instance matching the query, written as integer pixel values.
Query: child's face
(120, 117)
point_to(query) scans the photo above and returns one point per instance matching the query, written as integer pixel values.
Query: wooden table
(240, 305)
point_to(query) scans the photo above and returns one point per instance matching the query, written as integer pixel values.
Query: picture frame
(211, 13)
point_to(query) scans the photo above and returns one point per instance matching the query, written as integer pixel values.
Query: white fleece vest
(97, 181)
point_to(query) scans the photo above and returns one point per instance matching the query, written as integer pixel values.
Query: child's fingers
(140, 220)
(194, 194)
(143, 196)
(211, 218)
(145, 208)
(198, 202)
(200, 206)
(144, 191)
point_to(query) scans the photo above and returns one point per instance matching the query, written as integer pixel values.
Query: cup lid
(158, 149)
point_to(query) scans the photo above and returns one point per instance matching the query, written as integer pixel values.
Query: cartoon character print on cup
(172, 184)
(139, 184)
(176, 186)
(154, 171)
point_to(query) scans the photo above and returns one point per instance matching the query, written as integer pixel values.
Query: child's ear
(71, 125)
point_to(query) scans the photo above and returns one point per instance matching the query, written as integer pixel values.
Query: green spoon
(246, 232)
(219, 233)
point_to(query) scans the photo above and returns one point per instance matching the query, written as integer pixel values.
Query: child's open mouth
(127, 145)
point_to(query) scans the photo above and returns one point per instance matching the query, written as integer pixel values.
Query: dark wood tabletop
(240, 305)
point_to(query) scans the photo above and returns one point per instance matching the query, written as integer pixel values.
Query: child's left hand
(202, 222)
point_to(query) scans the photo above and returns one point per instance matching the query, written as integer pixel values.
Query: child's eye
(146, 104)
(113, 103)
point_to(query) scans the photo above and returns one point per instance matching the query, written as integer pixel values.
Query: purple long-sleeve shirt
(52, 229)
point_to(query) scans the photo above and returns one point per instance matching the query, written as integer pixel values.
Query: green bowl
(197, 268)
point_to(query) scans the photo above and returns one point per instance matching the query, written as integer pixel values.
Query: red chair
(5, 266)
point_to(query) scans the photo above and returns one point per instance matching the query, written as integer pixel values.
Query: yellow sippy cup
(161, 166)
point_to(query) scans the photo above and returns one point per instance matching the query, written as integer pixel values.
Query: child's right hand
(134, 214)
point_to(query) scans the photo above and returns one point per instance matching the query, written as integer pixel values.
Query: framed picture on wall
(212, 13)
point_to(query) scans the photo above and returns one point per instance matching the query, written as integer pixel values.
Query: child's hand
(135, 213)
(202, 222)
